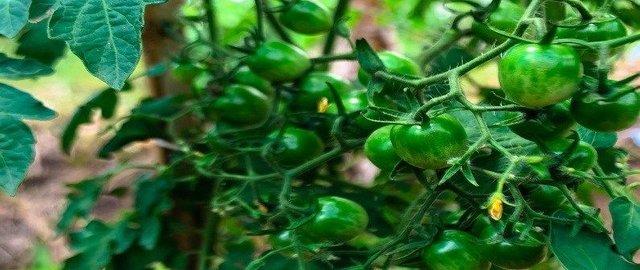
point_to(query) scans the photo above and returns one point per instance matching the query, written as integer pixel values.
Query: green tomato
(337, 220)
(602, 28)
(512, 252)
(535, 75)
(546, 198)
(313, 88)
(628, 11)
(583, 158)
(242, 105)
(431, 144)
(505, 18)
(379, 149)
(548, 123)
(395, 63)
(246, 77)
(455, 250)
(307, 17)
(612, 110)
(296, 147)
(277, 61)
(356, 101)
(186, 72)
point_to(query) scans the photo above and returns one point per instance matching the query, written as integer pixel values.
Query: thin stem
(260, 10)
(212, 21)
(282, 33)
(210, 233)
(341, 10)
(448, 39)
(331, 58)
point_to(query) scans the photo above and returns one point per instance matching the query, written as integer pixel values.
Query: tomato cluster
(282, 125)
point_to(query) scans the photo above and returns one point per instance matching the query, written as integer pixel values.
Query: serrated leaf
(18, 69)
(466, 171)
(13, 16)
(41, 9)
(585, 250)
(30, 45)
(16, 153)
(106, 35)
(106, 101)
(16, 103)
(81, 199)
(597, 139)
(626, 225)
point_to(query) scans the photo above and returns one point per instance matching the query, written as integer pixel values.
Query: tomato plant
(265, 135)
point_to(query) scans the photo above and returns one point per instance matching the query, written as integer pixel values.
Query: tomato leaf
(81, 199)
(16, 152)
(93, 243)
(597, 139)
(106, 35)
(15, 14)
(33, 40)
(585, 250)
(367, 57)
(18, 69)
(152, 200)
(106, 101)
(18, 104)
(626, 225)
(41, 9)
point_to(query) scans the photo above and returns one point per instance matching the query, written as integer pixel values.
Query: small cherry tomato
(242, 105)
(307, 17)
(379, 149)
(337, 220)
(277, 61)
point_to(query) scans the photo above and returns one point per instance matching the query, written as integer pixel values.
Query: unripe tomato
(628, 11)
(356, 101)
(379, 149)
(277, 61)
(455, 250)
(603, 27)
(548, 123)
(246, 77)
(612, 110)
(431, 144)
(314, 88)
(186, 72)
(242, 105)
(307, 17)
(583, 158)
(545, 198)
(337, 220)
(395, 63)
(512, 252)
(297, 146)
(504, 18)
(535, 75)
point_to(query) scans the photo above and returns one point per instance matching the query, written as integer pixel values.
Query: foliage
(244, 191)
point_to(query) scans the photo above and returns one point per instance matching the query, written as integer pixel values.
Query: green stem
(448, 39)
(282, 33)
(341, 10)
(330, 58)
(213, 22)
(260, 10)
(210, 234)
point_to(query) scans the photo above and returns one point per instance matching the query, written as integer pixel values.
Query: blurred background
(27, 221)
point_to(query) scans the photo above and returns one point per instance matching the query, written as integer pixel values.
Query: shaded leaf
(585, 250)
(18, 69)
(106, 101)
(13, 16)
(81, 199)
(41, 9)
(93, 244)
(30, 45)
(16, 153)
(597, 139)
(626, 225)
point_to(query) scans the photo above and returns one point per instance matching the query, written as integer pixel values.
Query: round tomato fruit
(246, 77)
(512, 252)
(614, 109)
(536, 75)
(242, 105)
(379, 149)
(431, 144)
(314, 87)
(504, 18)
(455, 250)
(337, 220)
(277, 61)
(603, 27)
(307, 17)
(296, 146)
(548, 123)
(395, 63)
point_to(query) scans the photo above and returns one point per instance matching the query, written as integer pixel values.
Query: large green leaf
(106, 35)
(18, 69)
(626, 225)
(586, 250)
(33, 40)
(93, 244)
(81, 199)
(19, 104)
(106, 101)
(40, 9)
(16, 153)
(13, 16)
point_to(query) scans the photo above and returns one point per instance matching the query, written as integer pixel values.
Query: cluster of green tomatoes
(279, 95)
